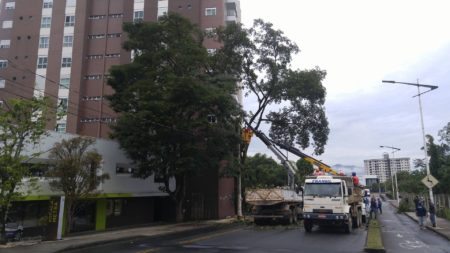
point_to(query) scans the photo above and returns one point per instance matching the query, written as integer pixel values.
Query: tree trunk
(179, 197)
(179, 212)
(3, 213)
(69, 217)
(239, 184)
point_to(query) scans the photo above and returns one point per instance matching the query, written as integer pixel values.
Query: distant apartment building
(64, 49)
(385, 167)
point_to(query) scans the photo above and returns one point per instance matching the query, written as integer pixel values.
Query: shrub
(444, 213)
(404, 207)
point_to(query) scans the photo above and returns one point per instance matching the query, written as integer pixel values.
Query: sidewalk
(442, 225)
(98, 238)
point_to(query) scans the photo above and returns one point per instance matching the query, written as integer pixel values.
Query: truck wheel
(348, 227)
(307, 225)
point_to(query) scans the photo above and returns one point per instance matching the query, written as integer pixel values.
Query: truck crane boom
(273, 146)
(291, 169)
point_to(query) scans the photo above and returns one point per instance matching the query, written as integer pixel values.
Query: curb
(194, 231)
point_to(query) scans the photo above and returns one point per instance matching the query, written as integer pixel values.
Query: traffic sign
(430, 181)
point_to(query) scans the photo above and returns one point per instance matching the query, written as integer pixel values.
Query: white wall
(111, 153)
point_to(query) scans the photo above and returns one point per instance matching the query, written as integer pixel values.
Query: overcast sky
(359, 43)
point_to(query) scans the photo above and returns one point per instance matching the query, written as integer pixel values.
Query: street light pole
(431, 87)
(393, 177)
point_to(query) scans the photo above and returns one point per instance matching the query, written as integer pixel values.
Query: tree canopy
(22, 123)
(290, 101)
(440, 159)
(75, 172)
(178, 112)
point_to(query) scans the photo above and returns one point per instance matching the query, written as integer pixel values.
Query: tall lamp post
(419, 94)
(394, 149)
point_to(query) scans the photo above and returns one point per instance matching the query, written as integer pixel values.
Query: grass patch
(374, 242)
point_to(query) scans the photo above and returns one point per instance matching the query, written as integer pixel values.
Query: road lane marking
(206, 237)
(412, 244)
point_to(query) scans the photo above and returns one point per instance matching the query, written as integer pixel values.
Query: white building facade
(385, 167)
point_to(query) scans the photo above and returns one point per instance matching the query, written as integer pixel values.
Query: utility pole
(394, 149)
(419, 94)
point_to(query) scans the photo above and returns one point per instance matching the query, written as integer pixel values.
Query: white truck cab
(331, 200)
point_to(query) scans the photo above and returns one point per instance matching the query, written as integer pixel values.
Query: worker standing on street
(379, 205)
(432, 213)
(373, 207)
(421, 213)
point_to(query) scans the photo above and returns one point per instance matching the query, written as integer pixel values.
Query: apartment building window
(47, 4)
(116, 15)
(114, 35)
(112, 55)
(89, 120)
(71, 3)
(44, 42)
(97, 17)
(231, 13)
(10, 5)
(68, 41)
(42, 62)
(124, 168)
(61, 127)
(93, 77)
(91, 98)
(94, 57)
(3, 64)
(96, 36)
(63, 105)
(5, 43)
(46, 22)
(210, 11)
(69, 21)
(2, 83)
(7, 24)
(64, 83)
(138, 16)
(66, 62)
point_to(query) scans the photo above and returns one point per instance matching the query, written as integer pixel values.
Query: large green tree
(178, 115)
(75, 173)
(410, 181)
(289, 101)
(22, 124)
(440, 159)
(304, 169)
(263, 171)
(439, 164)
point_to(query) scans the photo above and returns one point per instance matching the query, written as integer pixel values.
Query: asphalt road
(402, 235)
(247, 238)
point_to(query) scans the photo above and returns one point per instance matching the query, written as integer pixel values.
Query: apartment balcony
(232, 10)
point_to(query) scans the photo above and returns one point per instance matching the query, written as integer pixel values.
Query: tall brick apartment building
(63, 49)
